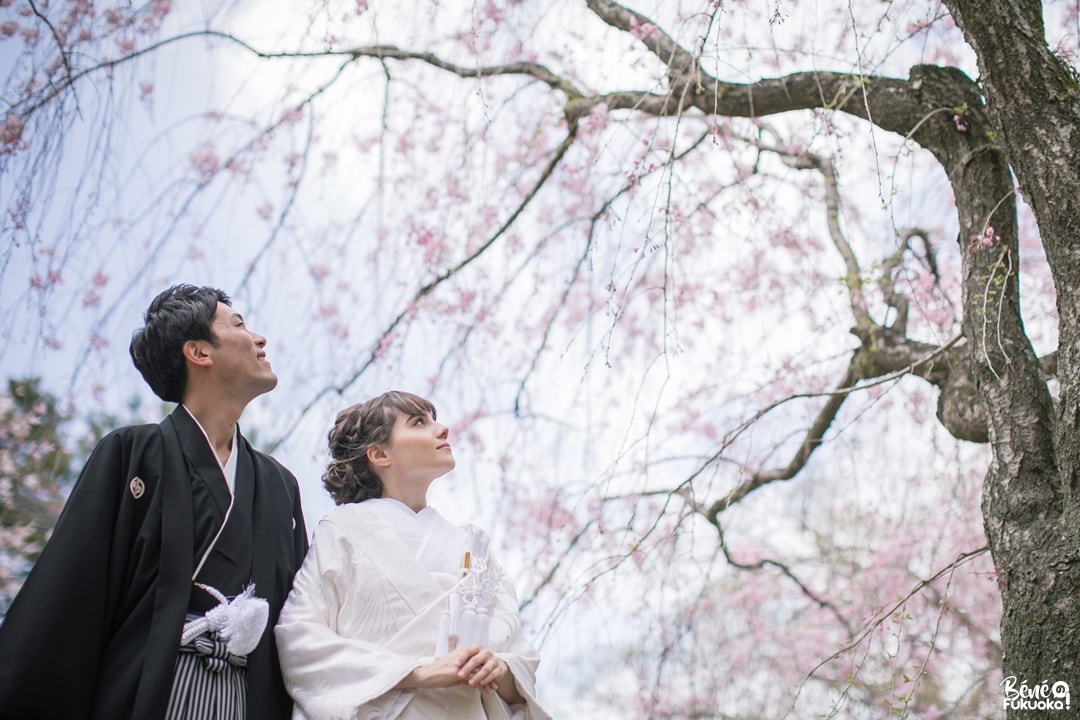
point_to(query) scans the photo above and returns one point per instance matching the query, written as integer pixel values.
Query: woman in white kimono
(396, 613)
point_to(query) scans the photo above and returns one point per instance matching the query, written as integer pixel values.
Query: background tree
(34, 470)
(662, 259)
(41, 449)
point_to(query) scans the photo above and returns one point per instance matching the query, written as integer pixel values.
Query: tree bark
(1030, 494)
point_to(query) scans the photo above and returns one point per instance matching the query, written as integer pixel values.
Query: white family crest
(137, 487)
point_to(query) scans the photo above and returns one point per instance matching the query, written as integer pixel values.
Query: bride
(397, 613)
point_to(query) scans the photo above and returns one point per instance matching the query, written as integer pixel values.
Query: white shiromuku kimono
(366, 608)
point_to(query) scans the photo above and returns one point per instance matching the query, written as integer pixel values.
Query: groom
(164, 523)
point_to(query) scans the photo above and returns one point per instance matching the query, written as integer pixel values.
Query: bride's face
(419, 446)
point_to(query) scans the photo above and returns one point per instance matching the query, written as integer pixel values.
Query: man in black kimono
(158, 513)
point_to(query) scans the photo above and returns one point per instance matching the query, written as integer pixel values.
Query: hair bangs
(408, 404)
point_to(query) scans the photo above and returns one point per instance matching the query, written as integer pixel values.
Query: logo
(1043, 696)
(137, 487)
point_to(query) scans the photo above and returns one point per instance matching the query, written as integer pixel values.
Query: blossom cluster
(33, 472)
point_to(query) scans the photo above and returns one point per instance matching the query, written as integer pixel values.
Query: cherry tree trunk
(1030, 496)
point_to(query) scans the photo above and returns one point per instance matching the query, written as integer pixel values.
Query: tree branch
(854, 280)
(813, 438)
(887, 612)
(431, 285)
(684, 70)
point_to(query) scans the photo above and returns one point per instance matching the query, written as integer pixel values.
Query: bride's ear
(377, 456)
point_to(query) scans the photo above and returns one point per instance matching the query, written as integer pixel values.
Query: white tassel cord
(239, 623)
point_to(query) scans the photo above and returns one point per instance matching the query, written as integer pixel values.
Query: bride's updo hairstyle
(349, 478)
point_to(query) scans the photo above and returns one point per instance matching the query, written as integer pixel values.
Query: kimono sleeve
(53, 635)
(514, 648)
(328, 674)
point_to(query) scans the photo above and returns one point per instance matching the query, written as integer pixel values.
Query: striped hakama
(209, 683)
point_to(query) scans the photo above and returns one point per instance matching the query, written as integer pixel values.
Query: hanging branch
(429, 287)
